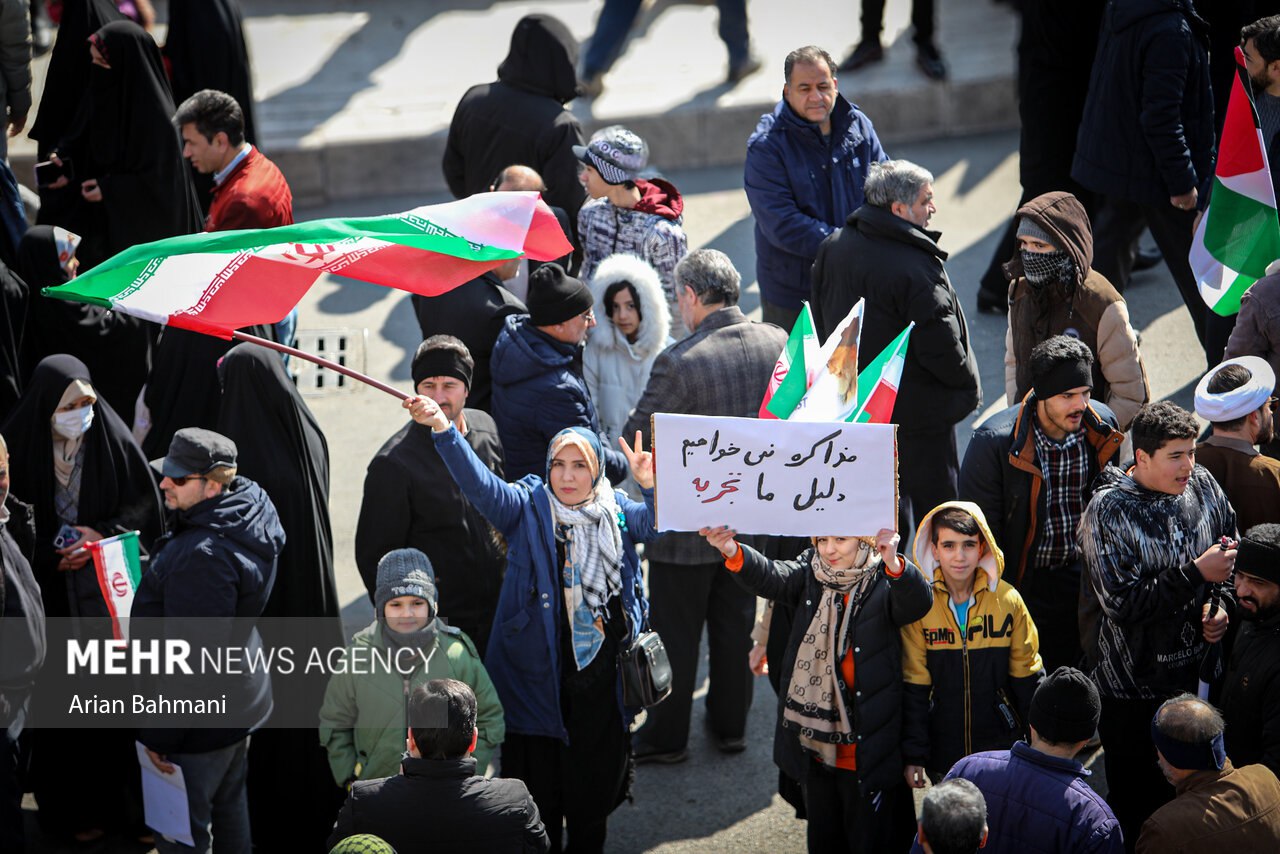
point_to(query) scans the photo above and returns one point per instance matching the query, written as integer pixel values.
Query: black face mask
(1041, 268)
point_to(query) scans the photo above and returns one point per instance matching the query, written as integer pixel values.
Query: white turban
(1239, 402)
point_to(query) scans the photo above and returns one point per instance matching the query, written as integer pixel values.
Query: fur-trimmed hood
(655, 316)
(992, 562)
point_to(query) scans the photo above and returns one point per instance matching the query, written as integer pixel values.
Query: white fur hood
(655, 316)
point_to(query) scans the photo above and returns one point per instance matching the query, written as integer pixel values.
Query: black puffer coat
(1251, 695)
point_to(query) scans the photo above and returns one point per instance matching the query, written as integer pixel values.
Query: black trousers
(841, 818)
(1116, 229)
(12, 772)
(1052, 597)
(777, 315)
(1135, 786)
(682, 598)
(928, 474)
(921, 20)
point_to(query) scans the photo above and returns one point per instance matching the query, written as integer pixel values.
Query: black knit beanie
(555, 296)
(1066, 707)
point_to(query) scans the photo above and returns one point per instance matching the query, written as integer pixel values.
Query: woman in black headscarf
(282, 448)
(113, 346)
(206, 50)
(135, 186)
(14, 297)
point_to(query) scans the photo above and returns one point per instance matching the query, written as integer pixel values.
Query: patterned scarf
(815, 703)
(592, 571)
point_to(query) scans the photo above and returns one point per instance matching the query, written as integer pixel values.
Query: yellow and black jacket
(967, 690)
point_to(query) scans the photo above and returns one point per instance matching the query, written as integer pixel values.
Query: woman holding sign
(839, 719)
(572, 599)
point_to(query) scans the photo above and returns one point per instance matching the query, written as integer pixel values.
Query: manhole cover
(347, 347)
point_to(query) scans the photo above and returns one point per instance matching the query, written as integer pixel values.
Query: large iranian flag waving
(217, 282)
(1239, 234)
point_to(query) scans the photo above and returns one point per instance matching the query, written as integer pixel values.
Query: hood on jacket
(660, 197)
(1122, 14)
(242, 514)
(522, 352)
(542, 59)
(655, 316)
(1062, 217)
(992, 562)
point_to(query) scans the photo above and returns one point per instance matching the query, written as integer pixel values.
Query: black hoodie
(520, 118)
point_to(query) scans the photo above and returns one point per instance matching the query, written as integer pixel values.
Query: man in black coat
(1146, 143)
(1030, 468)
(1251, 692)
(437, 803)
(410, 501)
(886, 254)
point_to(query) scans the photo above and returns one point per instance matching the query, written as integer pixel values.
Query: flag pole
(322, 362)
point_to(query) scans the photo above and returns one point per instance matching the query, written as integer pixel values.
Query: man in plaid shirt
(1031, 469)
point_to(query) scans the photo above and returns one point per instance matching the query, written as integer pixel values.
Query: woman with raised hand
(571, 600)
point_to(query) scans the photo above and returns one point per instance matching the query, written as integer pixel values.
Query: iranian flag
(833, 390)
(1239, 234)
(790, 378)
(878, 383)
(217, 282)
(116, 562)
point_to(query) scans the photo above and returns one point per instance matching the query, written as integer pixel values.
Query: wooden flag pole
(322, 362)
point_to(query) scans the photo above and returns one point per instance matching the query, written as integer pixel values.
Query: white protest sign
(763, 476)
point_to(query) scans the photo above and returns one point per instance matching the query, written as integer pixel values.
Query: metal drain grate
(348, 347)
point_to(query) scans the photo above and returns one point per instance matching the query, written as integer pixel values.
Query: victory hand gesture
(640, 461)
(425, 411)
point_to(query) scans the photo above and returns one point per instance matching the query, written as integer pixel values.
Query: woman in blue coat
(572, 599)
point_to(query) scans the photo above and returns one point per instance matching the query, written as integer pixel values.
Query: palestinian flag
(878, 383)
(116, 562)
(218, 282)
(1239, 234)
(790, 379)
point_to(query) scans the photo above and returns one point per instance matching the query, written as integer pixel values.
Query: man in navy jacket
(806, 163)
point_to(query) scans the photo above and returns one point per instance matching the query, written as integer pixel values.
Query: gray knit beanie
(1028, 228)
(404, 572)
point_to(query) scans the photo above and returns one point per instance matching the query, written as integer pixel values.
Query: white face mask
(73, 423)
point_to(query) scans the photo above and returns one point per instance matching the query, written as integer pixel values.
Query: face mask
(1044, 267)
(73, 423)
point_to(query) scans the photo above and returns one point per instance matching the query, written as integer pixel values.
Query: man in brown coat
(1236, 398)
(1054, 291)
(1218, 807)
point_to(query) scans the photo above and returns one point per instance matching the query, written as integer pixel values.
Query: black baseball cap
(194, 450)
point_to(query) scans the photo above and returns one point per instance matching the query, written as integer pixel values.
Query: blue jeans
(217, 799)
(617, 17)
(13, 214)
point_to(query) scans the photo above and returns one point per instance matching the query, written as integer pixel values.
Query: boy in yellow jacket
(972, 663)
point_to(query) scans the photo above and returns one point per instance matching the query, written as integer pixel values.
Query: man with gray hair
(721, 368)
(1218, 807)
(953, 818)
(886, 254)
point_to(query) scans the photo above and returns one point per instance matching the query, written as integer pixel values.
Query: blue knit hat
(404, 572)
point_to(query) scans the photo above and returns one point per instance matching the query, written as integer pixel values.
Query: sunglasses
(182, 481)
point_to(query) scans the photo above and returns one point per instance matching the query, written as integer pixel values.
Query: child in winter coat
(972, 663)
(365, 712)
(839, 721)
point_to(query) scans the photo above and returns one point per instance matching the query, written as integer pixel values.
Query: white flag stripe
(119, 585)
(1254, 185)
(479, 220)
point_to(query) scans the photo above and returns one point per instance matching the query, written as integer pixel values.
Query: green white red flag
(879, 381)
(790, 378)
(119, 568)
(1239, 234)
(833, 386)
(218, 282)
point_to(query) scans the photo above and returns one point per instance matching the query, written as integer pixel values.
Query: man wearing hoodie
(521, 118)
(1056, 292)
(972, 663)
(1156, 541)
(538, 387)
(628, 214)
(1146, 143)
(219, 561)
(806, 164)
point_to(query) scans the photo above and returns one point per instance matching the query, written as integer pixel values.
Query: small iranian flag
(1239, 234)
(878, 383)
(119, 569)
(790, 379)
(833, 391)
(218, 282)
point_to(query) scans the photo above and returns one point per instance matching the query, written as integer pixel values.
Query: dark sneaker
(591, 86)
(864, 54)
(992, 302)
(728, 744)
(645, 755)
(931, 63)
(744, 69)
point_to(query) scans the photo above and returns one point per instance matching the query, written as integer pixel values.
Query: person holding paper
(571, 600)
(839, 724)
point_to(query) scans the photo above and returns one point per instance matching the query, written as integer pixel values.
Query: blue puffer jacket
(523, 657)
(801, 189)
(538, 390)
(1038, 804)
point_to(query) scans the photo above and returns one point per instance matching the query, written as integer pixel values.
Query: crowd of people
(1071, 581)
